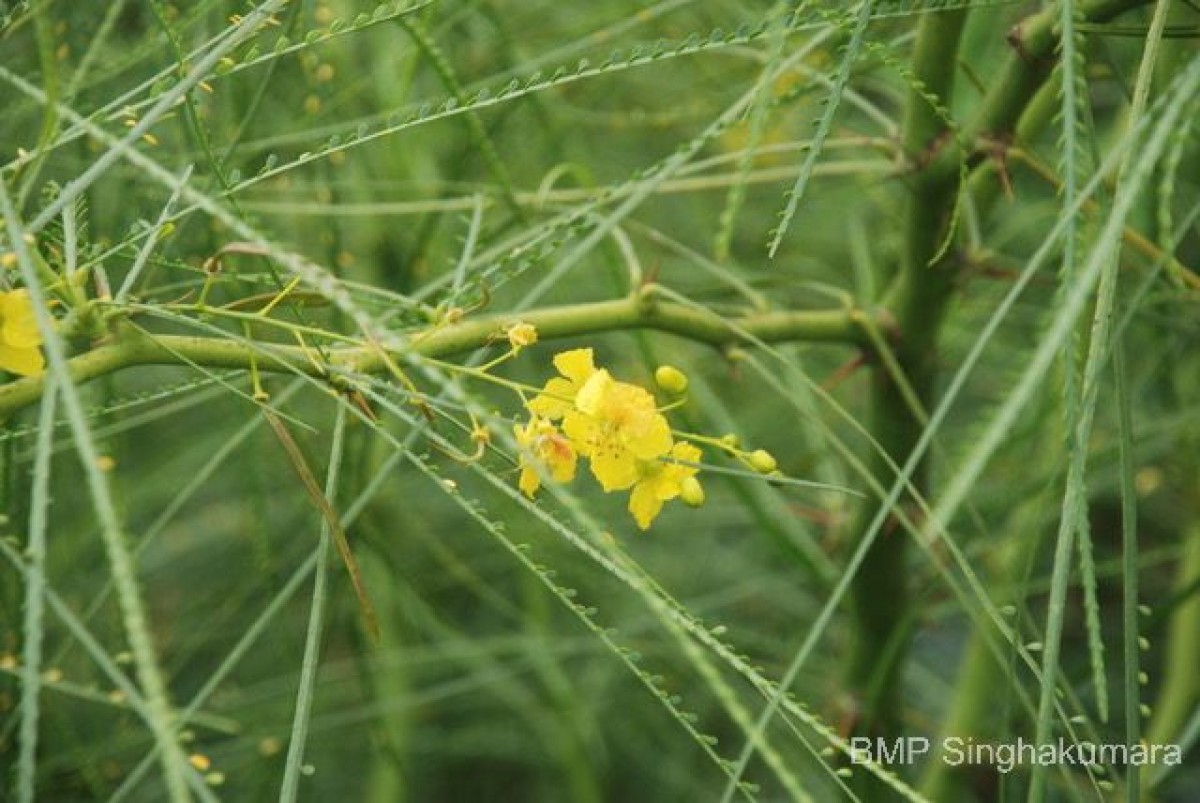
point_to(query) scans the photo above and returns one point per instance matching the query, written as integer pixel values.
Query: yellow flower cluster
(19, 335)
(617, 426)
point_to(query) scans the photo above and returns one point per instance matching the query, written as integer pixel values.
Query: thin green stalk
(293, 766)
(1074, 499)
(35, 601)
(971, 708)
(124, 572)
(250, 638)
(133, 699)
(43, 27)
(849, 58)
(441, 65)
(1129, 567)
(984, 669)
(97, 39)
(246, 28)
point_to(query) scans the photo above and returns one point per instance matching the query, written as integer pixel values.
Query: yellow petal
(522, 334)
(583, 430)
(562, 459)
(23, 361)
(645, 505)
(614, 468)
(652, 439)
(529, 482)
(556, 398)
(22, 332)
(19, 323)
(576, 364)
(523, 434)
(594, 392)
(688, 452)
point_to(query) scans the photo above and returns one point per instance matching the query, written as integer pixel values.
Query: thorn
(844, 372)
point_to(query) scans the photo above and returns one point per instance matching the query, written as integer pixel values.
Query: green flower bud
(762, 461)
(671, 379)
(691, 492)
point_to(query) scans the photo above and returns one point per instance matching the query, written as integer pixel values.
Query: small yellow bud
(691, 492)
(200, 761)
(730, 441)
(762, 461)
(671, 379)
(521, 335)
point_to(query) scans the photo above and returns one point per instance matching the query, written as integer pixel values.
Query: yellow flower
(558, 396)
(615, 424)
(659, 481)
(19, 335)
(543, 446)
(521, 334)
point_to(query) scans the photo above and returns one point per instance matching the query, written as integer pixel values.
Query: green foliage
(277, 253)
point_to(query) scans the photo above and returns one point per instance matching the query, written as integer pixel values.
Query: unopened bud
(762, 461)
(691, 492)
(671, 379)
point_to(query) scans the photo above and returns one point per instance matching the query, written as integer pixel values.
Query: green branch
(1026, 69)
(131, 346)
(920, 297)
(921, 293)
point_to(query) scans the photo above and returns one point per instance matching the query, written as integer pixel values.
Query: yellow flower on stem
(520, 335)
(19, 335)
(543, 446)
(615, 424)
(660, 481)
(558, 396)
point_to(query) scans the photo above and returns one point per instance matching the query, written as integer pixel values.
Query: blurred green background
(539, 673)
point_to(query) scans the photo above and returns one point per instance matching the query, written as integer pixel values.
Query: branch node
(1016, 40)
(646, 298)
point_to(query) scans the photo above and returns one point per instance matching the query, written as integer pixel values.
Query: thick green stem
(1026, 69)
(1008, 101)
(644, 311)
(920, 295)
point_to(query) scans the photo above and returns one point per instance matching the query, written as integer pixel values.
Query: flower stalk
(131, 346)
